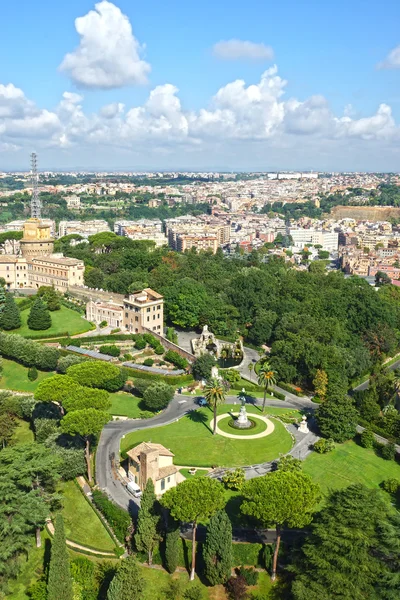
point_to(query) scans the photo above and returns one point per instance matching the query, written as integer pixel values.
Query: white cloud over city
(108, 55)
(241, 122)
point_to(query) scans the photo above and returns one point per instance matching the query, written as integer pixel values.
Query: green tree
(86, 423)
(127, 584)
(97, 374)
(280, 498)
(289, 463)
(147, 533)
(266, 379)
(320, 383)
(2, 297)
(172, 545)
(59, 586)
(39, 317)
(50, 296)
(8, 426)
(337, 419)
(214, 393)
(202, 366)
(158, 395)
(343, 558)
(217, 549)
(9, 316)
(192, 501)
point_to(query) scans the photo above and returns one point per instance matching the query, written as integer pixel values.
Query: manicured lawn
(349, 463)
(125, 405)
(259, 427)
(23, 434)
(15, 377)
(63, 321)
(185, 473)
(82, 525)
(192, 441)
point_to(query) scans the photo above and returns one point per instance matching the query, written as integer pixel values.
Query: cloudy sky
(226, 84)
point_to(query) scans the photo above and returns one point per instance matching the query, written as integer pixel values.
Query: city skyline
(118, 86)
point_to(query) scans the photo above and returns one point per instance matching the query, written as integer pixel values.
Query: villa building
(155, 462)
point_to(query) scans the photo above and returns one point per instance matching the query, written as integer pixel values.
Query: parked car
(134, 489)
(201, 401)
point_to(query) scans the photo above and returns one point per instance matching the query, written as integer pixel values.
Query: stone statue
(303, 427)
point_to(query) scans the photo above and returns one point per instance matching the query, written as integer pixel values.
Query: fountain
(242, 422)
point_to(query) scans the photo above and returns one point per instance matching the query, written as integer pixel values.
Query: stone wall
(365, 213)
(87, 293)
(171, 346)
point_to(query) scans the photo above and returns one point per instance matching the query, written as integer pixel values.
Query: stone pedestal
(242, 422)
(303, 428)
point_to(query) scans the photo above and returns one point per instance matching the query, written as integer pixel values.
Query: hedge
(28, 352)
(65, 341)
(247, 554)
(378, 430)
(178, 380)
(291, 389)
(118, 519)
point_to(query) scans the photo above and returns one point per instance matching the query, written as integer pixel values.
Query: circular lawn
(227, 426)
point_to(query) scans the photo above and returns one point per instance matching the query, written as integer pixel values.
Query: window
(136, 319)
(148, 318)
(154, 317)
(126, 315)
(163, 484)
(169, 479)
(148, 309)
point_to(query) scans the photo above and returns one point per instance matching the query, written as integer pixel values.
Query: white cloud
(242, 50)
(242, 123)
(108, 55)
(392, 61)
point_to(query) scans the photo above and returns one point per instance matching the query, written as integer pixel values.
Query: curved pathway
(269, 429)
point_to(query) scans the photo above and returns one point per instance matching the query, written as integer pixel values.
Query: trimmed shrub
(148, 362)
(159, 350)
(67, 361)
(158, 396)
(367, 439)
(176, 359)
(391, 486)
(110, 349)
(291, 388)
(249, 574)
(388, 451)
(141, 385)
(118, 519)
(140, 344)
(323, 446)
(32, 373)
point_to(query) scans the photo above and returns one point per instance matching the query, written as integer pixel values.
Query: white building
(329, 240)
(83, 228)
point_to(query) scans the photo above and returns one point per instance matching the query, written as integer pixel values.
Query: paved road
(364, 386)
(107, 456)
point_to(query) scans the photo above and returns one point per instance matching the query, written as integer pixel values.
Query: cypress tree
(9, 316)
(172, 544)
(147, 536)
(217, 549)
(39, 317)
(127, 583)
(59, 586)
(2, 298)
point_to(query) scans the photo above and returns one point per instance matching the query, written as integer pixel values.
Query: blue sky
(326, 116)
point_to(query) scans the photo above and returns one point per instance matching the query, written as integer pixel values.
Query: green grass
(63, 320)
(125, 405)
(82, 525)
(15, 377)
(23, 434)
(259, 427)
(192, 441)
(185, 473)
(349, 463)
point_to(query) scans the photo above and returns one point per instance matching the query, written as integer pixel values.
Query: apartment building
(186, 241)
(329, 240)
(144, 310)
(57, 270)
(201, 233)
(14, 271)
(83, 228)
(73, 202)
(143, 229)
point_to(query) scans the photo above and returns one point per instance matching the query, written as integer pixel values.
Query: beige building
(113, 313)
(144, 310)
(152, 461)
(196, 240)
(14, 270)
(73, 202)
(57, 270)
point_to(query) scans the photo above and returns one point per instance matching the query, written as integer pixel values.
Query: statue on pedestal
(303, 427)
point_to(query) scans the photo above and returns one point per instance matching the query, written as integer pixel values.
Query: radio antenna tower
(35, 201)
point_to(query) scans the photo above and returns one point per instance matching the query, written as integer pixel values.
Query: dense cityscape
(199, 301)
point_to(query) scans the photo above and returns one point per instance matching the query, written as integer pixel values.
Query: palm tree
(250, 367)
(214, 393)
(266, 379)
